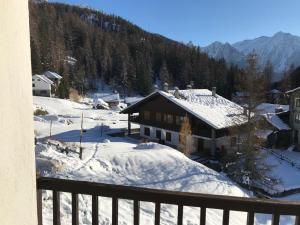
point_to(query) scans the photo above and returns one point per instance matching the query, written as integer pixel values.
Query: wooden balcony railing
(203, 201)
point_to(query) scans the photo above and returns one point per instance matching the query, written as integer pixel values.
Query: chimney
(166, 87)
(176, 92)
(214, 91)
(279, 109)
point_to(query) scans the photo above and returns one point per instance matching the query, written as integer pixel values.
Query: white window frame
(297, 117)
(297, 105)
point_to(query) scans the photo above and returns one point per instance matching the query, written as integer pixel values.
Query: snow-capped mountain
(282, 50)
(219, 50)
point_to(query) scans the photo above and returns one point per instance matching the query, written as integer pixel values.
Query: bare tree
(247, 165)
(185, 136)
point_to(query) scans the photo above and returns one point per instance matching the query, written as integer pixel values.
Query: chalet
(160, 116)
(274, 121)
(41, 85)
(294, 100)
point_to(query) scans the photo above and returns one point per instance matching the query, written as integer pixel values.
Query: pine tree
(164, 76)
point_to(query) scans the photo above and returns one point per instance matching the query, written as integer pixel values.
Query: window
(38, 79)
(297, 117)
(179, 120)
(158, 117)
(233, 141)
(158, 134)
(297, 102)
(168, 136)
(168, 118)
(33, 85)
(146, 115)
(147, 131)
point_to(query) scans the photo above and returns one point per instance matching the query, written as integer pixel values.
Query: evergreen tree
(164, 74)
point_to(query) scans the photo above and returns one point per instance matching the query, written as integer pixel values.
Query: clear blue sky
(205, 21)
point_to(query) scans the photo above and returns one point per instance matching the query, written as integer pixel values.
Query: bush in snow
(74, 95)
(40, 112)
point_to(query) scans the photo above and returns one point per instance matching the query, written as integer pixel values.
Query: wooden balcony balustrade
(203, 201)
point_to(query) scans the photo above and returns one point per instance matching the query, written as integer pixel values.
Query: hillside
(84, 44)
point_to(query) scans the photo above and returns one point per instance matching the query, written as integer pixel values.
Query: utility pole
(50, 129)
(81, 132)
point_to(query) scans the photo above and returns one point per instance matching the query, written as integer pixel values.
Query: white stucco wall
(39, 84)
(17, 167)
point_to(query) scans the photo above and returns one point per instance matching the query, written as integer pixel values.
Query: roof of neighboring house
(108, 97)
(272, 112)
(275, 121)
(293, 90)
(132, 100)
(52, 75)
(264, 108)
(43, 78)
(216, 111)
(275, 91)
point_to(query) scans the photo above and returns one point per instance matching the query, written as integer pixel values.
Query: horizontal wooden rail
(204, 201)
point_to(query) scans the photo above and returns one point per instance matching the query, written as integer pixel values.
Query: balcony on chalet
(203, 201)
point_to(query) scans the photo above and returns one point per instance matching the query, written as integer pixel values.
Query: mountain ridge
(282, 50)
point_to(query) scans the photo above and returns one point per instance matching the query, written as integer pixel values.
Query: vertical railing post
(95, 210)
(136, 212)
(56, 208)
(225, 217)
(39, 199)
(157, 213)
(275, 219)
(75, 212)
(114, 211)
(250, 218)
(297, 220)
(203, 216)
(180, 215)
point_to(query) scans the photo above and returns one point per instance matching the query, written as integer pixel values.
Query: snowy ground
(122, 161)
(282, 169)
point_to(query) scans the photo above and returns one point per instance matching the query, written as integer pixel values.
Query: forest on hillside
(84, 45)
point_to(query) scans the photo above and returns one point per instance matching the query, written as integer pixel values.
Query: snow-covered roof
(43, 78)
(108, 97)
(274, 120)
(293, 90)
(275, 91)
(52, 75)
(132, 100)
(241, 94)
(216, 111)
(264, 108)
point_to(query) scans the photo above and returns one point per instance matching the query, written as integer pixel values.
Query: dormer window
(297, 102)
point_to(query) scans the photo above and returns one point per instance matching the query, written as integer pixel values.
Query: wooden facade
(159, 112)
